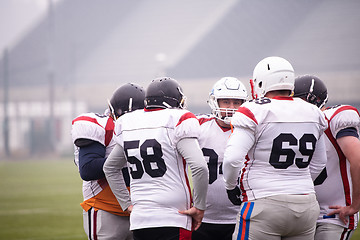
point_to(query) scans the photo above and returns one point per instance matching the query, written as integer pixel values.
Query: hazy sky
(17, 17)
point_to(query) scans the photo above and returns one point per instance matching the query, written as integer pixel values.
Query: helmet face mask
(271, 74)
(311, 89)
(126, 98)
(226, 88)
(165, 93)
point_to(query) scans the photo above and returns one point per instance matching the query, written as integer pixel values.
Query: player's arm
(112, 169)
(239, 144)
(91, 159)
(190, 150)
(351, 149)
(350, 146)
(319, 158)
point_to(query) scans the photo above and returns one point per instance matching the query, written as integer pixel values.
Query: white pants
(103, 225)
(329, 231)
(278, 217)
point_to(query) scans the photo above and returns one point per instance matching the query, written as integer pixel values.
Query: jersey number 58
(150, 158)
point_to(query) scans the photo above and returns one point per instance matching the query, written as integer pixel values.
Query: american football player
(282, 140)
(219, 220)
(92, 135)
(157, 144)
(337, 187)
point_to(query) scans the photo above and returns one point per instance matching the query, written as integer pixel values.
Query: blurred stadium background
(71, 54)
(59, 58)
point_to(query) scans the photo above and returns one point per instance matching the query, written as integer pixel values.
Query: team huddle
(278, 165)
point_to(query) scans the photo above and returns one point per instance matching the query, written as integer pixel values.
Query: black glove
(234, 195)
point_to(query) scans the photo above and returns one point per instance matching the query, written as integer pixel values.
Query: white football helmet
(272, 73)
(226, 88)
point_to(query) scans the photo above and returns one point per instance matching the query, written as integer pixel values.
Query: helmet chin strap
(112, 111)
(183, 99)
(312, 86)
(166, 105)
(130, 104)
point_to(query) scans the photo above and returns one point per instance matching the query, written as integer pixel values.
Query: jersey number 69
(306, 145)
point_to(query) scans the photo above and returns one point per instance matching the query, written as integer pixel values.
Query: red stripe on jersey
(85, 118)
(109, 131)
(204, 120)
(283, 98)
(243, 192)
(185, 116)
(248, 113)
(187, 181)
(184, 234)
(343, 172)
(153, 109)
(343, 108)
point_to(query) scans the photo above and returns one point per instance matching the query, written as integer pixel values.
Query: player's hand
(129, 209)
(197, 216)
(234, 195)
(343, 211)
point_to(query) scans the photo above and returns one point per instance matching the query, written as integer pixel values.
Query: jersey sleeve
(239, 144)
(91, 161)
(244, 118)
(191, 152)
(187, 127)
(87, 127)
(345, 117)
(319, 158)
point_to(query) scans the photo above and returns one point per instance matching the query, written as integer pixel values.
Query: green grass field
(39, 200)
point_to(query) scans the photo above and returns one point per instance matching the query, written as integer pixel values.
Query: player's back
(159, 182)
(286, 132)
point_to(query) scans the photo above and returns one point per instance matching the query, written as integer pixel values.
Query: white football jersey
(212, 142)
(335, 186)
(283, 158)
(159, 180)
(100, 128)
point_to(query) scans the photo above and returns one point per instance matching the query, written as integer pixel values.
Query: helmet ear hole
(260, 84)
(118, 113)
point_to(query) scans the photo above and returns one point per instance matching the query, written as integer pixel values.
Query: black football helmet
(164, 92)
(311, 89)
(126, 98)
